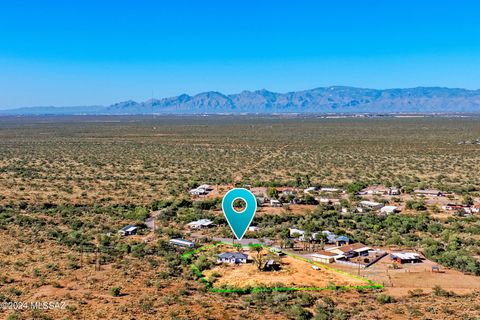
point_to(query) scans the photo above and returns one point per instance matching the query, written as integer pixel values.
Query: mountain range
(335, 99)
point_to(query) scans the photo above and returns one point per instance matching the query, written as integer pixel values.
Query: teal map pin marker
(239, 220)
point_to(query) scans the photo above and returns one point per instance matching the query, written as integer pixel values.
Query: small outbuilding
(128, 231)
(394, 191)
(405, 257)
(275, 203)
(276, 251)
(271, 265)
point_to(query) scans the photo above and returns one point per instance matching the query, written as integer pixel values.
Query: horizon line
(230, 94)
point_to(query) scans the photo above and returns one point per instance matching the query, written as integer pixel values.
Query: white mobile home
(200, 224)
(372, 205)
(389, 209)
(182, 243)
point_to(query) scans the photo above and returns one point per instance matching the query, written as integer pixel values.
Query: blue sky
(100, 52)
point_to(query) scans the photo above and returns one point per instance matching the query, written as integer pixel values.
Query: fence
(351, 264)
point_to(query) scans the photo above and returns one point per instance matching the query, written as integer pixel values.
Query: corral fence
(350, 264)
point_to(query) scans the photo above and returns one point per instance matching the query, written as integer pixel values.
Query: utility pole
(153, 223)
(97, 259)
(81, 256)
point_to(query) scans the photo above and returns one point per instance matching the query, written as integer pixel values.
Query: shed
(405, 257)
(271, 265)
(128, 230)
(275, 203)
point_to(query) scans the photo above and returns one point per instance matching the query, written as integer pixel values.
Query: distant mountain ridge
(335, 99)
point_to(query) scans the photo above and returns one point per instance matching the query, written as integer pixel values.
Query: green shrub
(385, 298)
(115, 291)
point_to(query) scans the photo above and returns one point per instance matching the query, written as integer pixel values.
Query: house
(261, 200)
(429, 193)
(330, 236)
(277, 251)
(389, 209)
(253, 228)
(301, 234)
(310, 190)
(467, 209)
(372, 205)
(288, 192)
(342, 240)
(203, 189)
(324, 256)
(232, 257)
(394, 191)
(200, 224)
(198, 192)
(182, 243)
(333, 238)
(329, 190)
(351, 250)
(405, 257)
(359, 210)
(128, 231)
(325, 200)
(475, 208)
(452, 207)
(297, 201)
(275, 203)
(294, 232)
(375, 190)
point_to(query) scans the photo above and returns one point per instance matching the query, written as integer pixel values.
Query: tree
(284, 236)
(467, 200)
(272, 193)
(307, 236)
(321, 237)
(258, 257)
(237, 246)
(355, 187)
